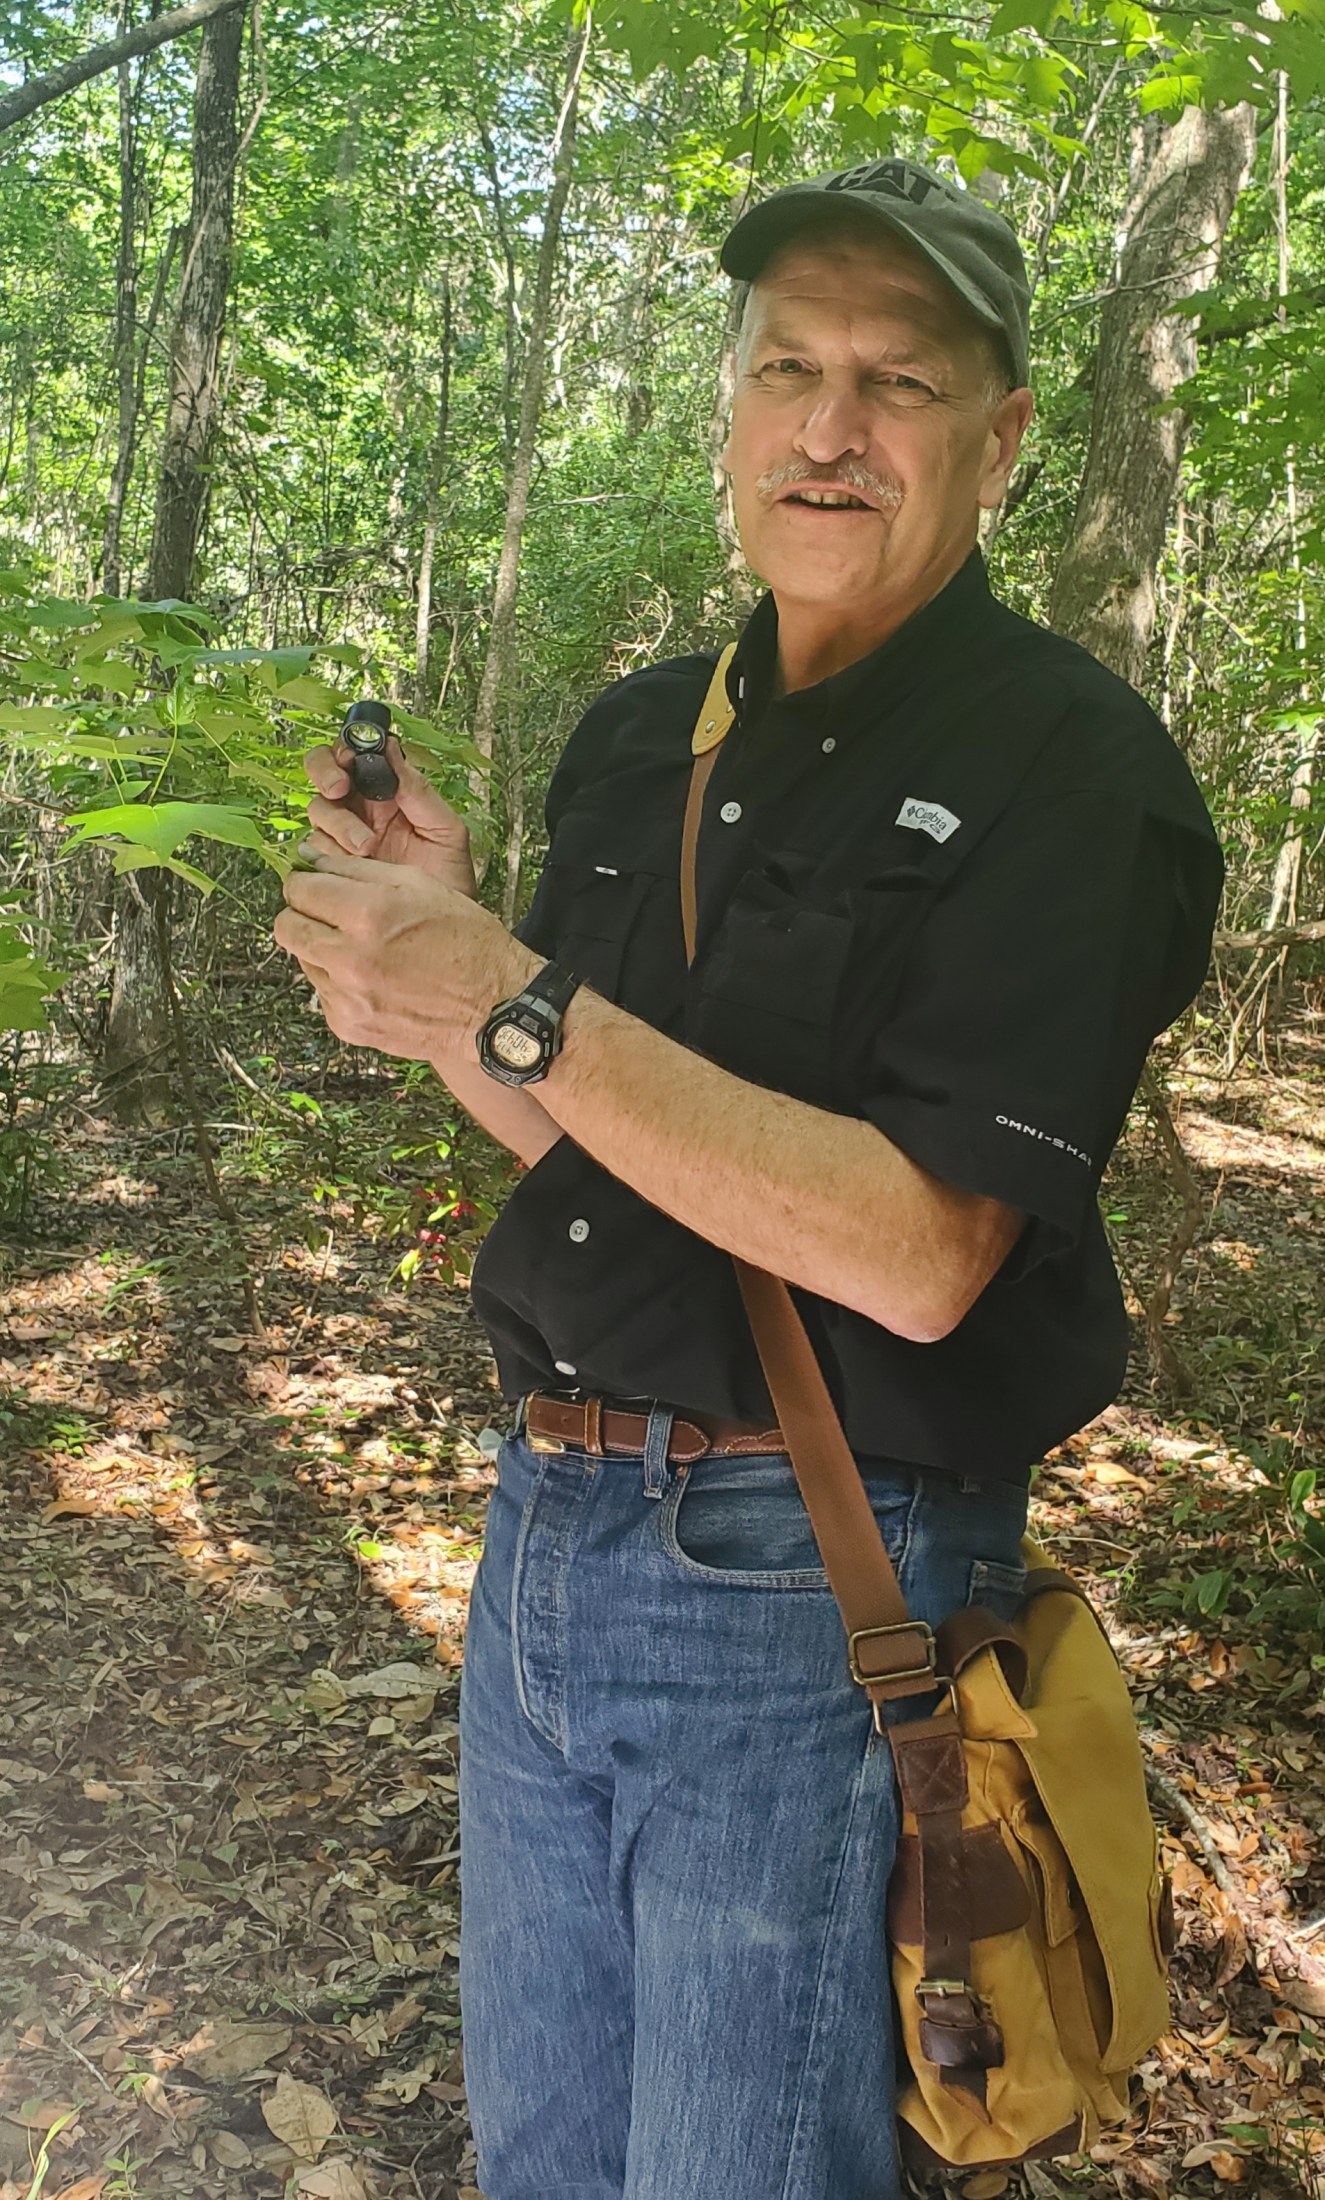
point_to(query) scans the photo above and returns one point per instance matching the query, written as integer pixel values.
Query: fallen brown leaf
(301, 2117)
(1305, 1995)
(225, 2048)
(338, 2179)
(40, 2115)
(230, 2150)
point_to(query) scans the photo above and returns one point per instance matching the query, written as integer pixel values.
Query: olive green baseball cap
(971, 246)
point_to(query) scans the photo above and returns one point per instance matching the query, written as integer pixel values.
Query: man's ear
(1008, 423)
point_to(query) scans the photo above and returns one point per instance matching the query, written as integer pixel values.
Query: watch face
(518, 1049)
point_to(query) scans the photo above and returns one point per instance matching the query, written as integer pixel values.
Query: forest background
(384, 351)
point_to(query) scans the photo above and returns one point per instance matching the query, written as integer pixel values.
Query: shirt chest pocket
(600, 882)
(790, 993)
(766, 992)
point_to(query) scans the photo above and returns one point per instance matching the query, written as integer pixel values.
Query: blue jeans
(677, 1823)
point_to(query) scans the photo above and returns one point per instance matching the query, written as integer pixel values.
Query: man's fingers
(339, 827)
(327, 774)
(302, 936)
(320, 891)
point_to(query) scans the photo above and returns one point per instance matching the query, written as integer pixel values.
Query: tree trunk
(200, 315)
(137, 1024)
(502, 635)
(126, 328)
(740, 581)
(511, 309)
(514, 819)
(1186, 177)
(432, 512)
(1288, 867)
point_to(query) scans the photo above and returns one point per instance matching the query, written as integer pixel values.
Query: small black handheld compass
(364, 733)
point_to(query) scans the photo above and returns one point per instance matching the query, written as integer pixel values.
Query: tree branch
(1286, 935)
(95, 62)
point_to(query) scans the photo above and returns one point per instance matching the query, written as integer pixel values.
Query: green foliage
(25, 981)
(977, 96)
(124, 701)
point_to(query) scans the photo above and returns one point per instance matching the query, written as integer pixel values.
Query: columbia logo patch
(928, 817)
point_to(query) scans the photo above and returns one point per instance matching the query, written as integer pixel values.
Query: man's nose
(837, 424)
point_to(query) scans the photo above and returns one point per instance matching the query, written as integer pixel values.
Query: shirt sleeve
(582, 759)
(1077, 931)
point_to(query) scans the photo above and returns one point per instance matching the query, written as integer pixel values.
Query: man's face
(859, 366)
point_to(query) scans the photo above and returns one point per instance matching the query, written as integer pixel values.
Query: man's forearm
(823, 1200)
(508, 1113)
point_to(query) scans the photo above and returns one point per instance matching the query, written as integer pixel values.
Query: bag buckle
(899, 1627)
(946, 1986)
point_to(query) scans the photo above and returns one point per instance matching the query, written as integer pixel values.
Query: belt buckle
(551, 1444)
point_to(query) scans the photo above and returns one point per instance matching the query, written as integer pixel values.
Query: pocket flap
(1085, 1760)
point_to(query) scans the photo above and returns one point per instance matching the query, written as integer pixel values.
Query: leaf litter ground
(232, 1627)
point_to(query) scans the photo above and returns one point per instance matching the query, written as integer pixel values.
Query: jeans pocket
(743, 1521)
(997, 1586)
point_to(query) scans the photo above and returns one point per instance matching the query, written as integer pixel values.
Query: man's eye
(907, 385)
(775, 366)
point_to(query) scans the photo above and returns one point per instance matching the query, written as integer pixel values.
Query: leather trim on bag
(1000, 1902)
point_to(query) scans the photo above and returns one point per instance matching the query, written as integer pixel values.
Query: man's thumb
(419, 802)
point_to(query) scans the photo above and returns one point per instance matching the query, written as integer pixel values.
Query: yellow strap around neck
(715, 719)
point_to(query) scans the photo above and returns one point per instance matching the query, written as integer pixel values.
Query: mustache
(886, 491)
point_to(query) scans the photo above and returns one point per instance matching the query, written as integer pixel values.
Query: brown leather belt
(598, 1426)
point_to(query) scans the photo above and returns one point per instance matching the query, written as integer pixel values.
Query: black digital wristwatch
(523, 1035)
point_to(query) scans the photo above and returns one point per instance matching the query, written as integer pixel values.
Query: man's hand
(401, 961)
(417, 828)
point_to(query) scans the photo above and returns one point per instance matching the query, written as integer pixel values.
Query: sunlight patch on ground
(1218, 1145)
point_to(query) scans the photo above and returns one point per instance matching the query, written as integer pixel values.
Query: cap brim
(749, 247)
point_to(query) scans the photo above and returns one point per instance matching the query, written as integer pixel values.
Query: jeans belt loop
(657, 1443)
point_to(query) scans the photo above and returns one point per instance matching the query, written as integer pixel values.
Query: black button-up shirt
(956, 890)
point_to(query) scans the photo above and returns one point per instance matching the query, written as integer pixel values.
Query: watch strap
(552, 986)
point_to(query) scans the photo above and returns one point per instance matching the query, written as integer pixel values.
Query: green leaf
(162, 826)
(1022, 15)
(110, 674)
(127, 747)
(306, 694)
(24, 982)
(196, 878)
(1212, 1591)
(40, 718)
(1168, 92)
(258, 775)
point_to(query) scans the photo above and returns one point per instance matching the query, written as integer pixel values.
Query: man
(953, 877)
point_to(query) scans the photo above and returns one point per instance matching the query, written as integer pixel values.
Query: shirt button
(729, 812)
(828, 746)
(579, 1230)
(563, 1367)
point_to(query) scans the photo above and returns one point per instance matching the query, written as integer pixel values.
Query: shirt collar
(945, 621)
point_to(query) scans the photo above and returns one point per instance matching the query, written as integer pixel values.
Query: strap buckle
(946, 1987)
(907, 1673)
